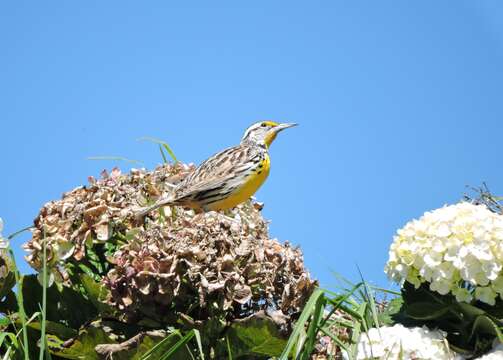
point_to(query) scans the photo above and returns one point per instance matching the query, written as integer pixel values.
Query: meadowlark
(229, 177)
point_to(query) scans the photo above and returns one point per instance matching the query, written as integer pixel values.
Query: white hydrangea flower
(398, 342)
(4, 243)
(456, 249)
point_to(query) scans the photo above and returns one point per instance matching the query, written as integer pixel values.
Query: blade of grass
(163, 144)
(164, 159)
(5, 336)
(369, 297)
(160, 344)
(299, 345)
(182, 342)
(313, 328)
(19, 294)
(229, 352)
(335, 339)
(340, 300)
(199, 343)
(190, 352)
(355, 336)
(346, 291)
(170, 152)
(342, 280)
(43, 340)
(387, 291)
(115, 158)
(299, 326)
(19, 299)
(13, 235)
(22, 313)
(7, 354)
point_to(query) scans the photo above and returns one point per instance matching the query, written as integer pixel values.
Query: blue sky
(399, 104)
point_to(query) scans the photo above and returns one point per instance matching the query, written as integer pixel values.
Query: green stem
(44, 300)
(19, 293)
(19, 298)
(13, 235)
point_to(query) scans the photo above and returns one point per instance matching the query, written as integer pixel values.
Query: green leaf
(391, 309)
(87, 270)
(484, 325)
(61, 331)
(83, 347)
(94, 259)
(97, 294)
(426, 310)
(256, 335)
(470, 311)
(470, 327)
(103, 333)
(64, 305)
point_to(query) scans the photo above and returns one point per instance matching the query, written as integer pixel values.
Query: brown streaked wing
(214, 172)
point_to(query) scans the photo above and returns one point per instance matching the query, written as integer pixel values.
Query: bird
(228, 178)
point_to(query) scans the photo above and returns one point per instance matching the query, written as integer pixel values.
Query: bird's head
(264, 132)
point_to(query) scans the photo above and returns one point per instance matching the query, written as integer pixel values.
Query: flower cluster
(94, 214)
(399, 342)
(456, 249)
(207, 264)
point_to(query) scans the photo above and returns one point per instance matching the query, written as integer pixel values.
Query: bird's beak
(271, 134)
(282, 127)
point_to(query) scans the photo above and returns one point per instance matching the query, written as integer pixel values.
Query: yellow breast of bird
(250, 185)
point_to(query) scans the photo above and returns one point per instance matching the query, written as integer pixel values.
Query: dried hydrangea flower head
(175, 261)
(456, 249)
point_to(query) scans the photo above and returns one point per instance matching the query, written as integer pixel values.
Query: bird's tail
(159, 203)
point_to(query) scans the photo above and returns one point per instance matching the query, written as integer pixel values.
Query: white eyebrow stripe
(247, 132)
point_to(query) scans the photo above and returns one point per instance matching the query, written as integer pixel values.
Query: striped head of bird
(264, 132)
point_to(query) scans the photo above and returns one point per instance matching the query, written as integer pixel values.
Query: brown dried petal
(102, 231)
(94, 212)
(242, 294)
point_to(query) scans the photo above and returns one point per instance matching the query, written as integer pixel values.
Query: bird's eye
(264, 124)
